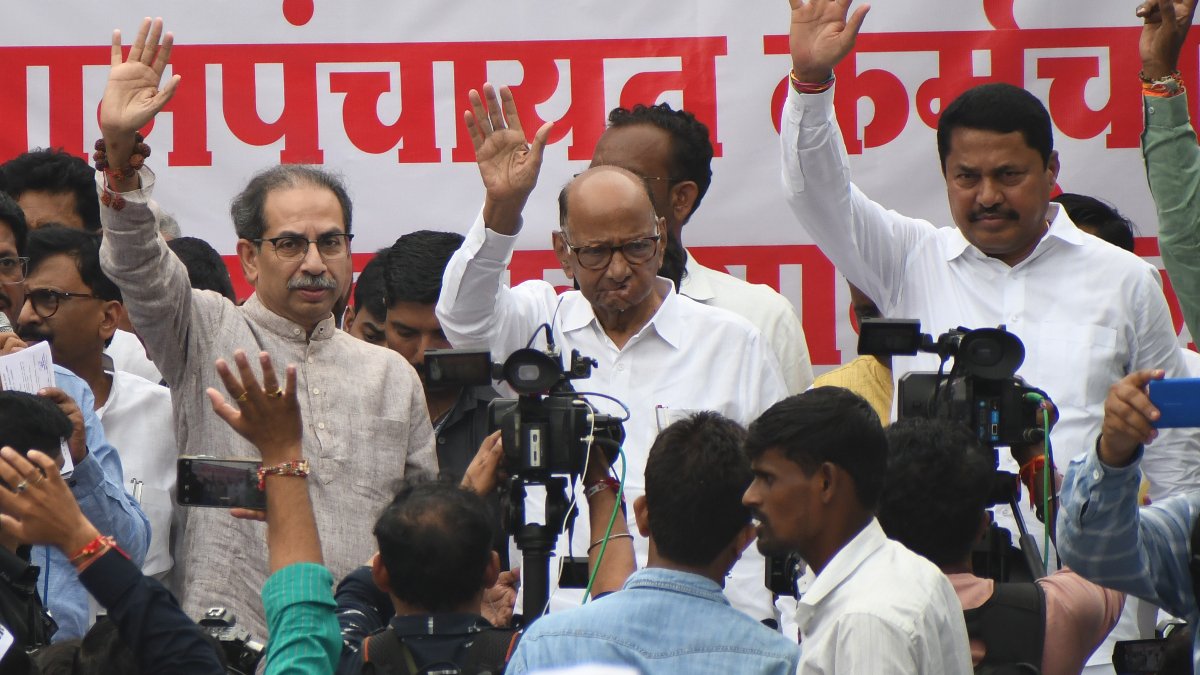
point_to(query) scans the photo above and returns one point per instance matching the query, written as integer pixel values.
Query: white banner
(375, 90)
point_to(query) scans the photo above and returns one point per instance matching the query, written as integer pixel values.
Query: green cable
(587, 593)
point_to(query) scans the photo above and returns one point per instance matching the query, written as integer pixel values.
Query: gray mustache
(312, 282)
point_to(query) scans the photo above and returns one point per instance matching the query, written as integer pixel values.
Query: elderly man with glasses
(662, 354)
(361, 432)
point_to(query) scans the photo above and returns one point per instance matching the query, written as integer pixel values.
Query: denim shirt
(662, 621)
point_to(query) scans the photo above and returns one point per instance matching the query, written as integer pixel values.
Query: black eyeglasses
(45, 301)
(635, 252)
(12, 270)
(294, 247)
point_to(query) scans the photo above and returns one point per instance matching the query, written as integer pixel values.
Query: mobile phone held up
(1178, 400)
(226, 483)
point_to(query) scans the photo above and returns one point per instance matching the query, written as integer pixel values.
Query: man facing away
(671, 616)
(293, 224)
(867, 604)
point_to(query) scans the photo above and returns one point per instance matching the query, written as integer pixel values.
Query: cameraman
(934, 501)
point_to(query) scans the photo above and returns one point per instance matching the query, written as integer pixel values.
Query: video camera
(549, 428)
(547, 432)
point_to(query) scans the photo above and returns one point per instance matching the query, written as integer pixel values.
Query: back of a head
(1001, 108)
(12, 216)
(435, 540)
(826, 424)
(29, 422)
(369, 287)
(205, 267)
(55, 171)
(248, 208)
(415, 264)
(938, 482)
(696, 475)
(690, 143)
(84, 247)
(1099, 218)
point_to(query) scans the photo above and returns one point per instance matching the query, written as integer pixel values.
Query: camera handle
(1026, 541)
(537, 541)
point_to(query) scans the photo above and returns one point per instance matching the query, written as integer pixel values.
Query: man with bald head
(662, 354)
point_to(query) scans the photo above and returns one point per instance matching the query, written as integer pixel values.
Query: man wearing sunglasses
(662, 354)
(361, 433)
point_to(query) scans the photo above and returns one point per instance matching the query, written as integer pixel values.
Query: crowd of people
(396, 513)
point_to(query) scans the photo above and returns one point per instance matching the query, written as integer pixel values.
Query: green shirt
(1173, 169)
(300, 616)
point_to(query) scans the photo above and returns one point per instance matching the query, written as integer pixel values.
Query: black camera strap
(385, 653)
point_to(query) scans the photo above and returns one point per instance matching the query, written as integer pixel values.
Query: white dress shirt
(687, 358)
(1088, 312)
(879, 609)
(129, 356)
(138, 421)
(759, 304)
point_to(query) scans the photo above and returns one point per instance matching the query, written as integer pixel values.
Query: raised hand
(508, 163)
(37, 507)
(1129, 418)
(132, 97)
(486, 470)
(268, 416)
(78, 441)
(1165, 28)
(821, 35)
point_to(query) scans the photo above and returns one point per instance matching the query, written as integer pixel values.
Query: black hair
(938, 482)
(415, 264)
(691, 147)
(1108, 222)
(12, 216)
(84, 247)
(826, 424)
(369, 287)
(696, 475)
(205, 267)
(1002, 108)
(55, 171)
(29, 422)
(249, 221)
(435, 539)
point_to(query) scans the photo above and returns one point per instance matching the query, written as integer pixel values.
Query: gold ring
(242, 398)
(278, 393)
(38, 478)
(22, 485)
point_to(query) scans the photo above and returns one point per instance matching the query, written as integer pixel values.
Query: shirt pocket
(1082, 359)
(374, 459)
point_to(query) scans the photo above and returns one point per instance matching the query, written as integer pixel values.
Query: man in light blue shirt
(1103, 534)
(672, 617)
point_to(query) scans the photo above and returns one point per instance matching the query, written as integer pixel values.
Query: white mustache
(312, 282)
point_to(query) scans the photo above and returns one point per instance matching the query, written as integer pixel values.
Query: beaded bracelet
(296, 467)
(1164, 87)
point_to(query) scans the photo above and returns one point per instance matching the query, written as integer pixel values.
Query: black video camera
(242, 653)
(981, 390)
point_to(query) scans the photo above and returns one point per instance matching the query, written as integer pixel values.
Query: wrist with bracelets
(296, 468)
(810, 87)
(137, 159)
(93, 550)
(1166, 86)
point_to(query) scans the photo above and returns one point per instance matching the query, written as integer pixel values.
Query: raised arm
(298, 596)
(867, 243)
(153, 282)
(508, 164)
(1171, 154)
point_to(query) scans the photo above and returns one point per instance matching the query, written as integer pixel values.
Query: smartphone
(226, 483)
(1178, 400)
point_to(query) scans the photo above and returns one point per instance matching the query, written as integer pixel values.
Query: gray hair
(247, 208)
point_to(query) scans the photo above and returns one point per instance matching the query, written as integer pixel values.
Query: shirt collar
(695, 282)
(680, 582)
(577, 313)
(839, 568)
(286, 328)
(1061, 228)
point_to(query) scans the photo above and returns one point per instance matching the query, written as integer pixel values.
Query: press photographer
(935, 499)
